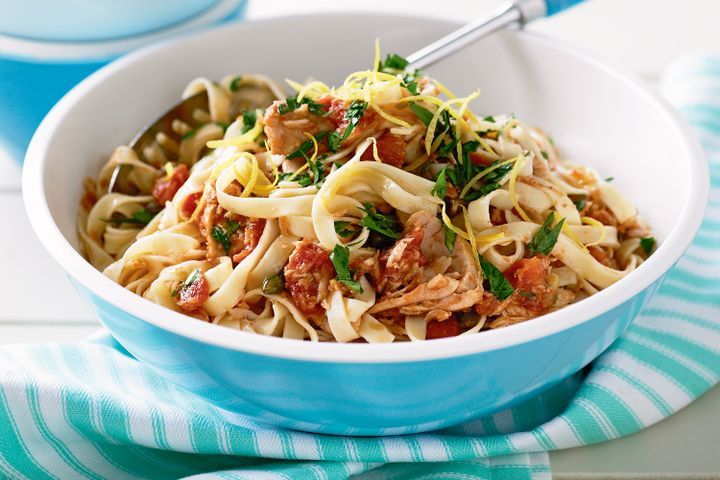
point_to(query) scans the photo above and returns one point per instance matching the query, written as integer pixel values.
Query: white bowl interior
(596, 116)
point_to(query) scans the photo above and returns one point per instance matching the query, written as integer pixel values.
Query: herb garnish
(393, 61)
(544, 154)
(353, 115)
(489, 118)
(140, 217)
(647, 244)
(249, 119)
(345, 229)
(440, 188)
(546, 237)
(222, 235)
(192, 278)
(188, 134)
(340, 258)
(450, 237)
(609, 179)
(235, 84)
(491, 182)
(422, 113)
(499, 285)
(580, 204)
(292, 103)
(379, 222)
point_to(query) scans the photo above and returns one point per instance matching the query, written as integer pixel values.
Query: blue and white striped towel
(91, 411)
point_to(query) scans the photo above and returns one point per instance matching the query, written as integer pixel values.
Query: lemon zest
(169, 169)
(471, 235)
(594, 223)
(246, 138)
(389, 117)
(511, 189)
(421, 160)
(448, 223)
(312, 90)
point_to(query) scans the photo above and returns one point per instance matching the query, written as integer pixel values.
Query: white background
(636, 35)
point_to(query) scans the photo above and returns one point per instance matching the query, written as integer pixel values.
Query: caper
(274, 284)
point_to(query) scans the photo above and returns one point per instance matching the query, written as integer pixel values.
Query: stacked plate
(46, 47)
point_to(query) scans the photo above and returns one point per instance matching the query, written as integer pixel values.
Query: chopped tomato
(166, 187)
(446, 328)
(530, 278)
(487, 305)
(190, 204)
(194, 295)
(478, 158)
(250, 238)
(367, 125)
(307, 275)
(391, 150)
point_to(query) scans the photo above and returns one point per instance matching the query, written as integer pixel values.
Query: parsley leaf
(393, 61)
(292, 103)
(353, 115)
(450, 237)
(141, 217)
(609, 179)
(580, 204)
(340, 258)
(546, 237)
(440, 188)
(303, 178)
(345, 229)
(378, 222)
(235, 84)
(489, 118)
(466, 173)
(647, 244)
(422, 113)
(544, 154)
(188, 134)
(249, 118)
(222, 235)
(499, 285)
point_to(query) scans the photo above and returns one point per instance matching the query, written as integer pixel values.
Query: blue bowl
(375, 389)
(35, 74)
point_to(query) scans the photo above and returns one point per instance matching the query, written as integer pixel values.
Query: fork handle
(514, 12)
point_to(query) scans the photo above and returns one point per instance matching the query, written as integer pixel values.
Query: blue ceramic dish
(358, 388)
(40, 59)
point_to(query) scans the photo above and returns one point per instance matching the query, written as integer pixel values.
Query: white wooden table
(637, 35)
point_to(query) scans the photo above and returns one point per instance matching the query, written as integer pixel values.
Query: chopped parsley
(647, 244)
(192, 278)
(422, 113)
(491, 182)
(393, 61)
(544, 154)
(410, 82)
(499, 285)
(140, 217)
(378, 222)
(249, 119)
(580, 204)
(450, 237)
(353, 115)
(546, 237)
(188, 134)
(340, 258)
(222, 235)
(303, 178)
(345, 229)
(440, 188)
(292, 103)
(489, 118)
(235, 84)
(609, 179)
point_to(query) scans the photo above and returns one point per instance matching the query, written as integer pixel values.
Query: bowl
(42, 57)
(596, 115)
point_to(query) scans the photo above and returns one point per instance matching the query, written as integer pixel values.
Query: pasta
(381, 210)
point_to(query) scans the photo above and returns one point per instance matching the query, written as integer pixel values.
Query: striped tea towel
(92, 411)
